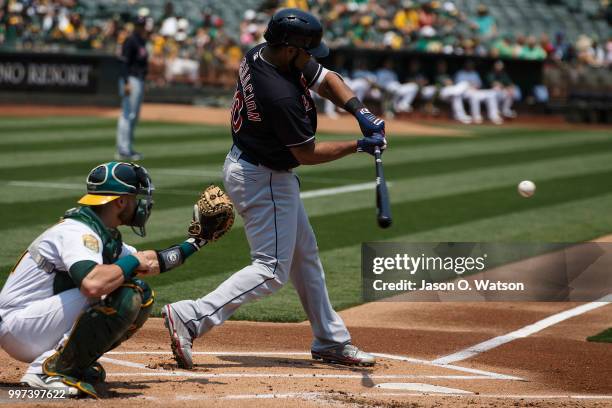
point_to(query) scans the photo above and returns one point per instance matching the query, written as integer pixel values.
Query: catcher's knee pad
(97, 330)
(148, 298)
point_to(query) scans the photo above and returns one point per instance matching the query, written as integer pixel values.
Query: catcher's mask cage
(145, 204)
(297, 28)
(109, 181)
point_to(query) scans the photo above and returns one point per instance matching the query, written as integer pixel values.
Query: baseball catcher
(75, 293)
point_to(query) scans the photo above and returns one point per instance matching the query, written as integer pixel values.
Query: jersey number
(237, 106)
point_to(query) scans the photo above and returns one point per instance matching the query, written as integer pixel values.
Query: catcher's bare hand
(213, 216)
(149, 265)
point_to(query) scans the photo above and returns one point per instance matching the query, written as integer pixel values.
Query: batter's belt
(245, 156)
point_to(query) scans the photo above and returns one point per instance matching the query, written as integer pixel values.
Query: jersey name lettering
(248, 95)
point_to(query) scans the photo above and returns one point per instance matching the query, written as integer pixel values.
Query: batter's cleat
(181, 340)
(49, 382)
(346, 354)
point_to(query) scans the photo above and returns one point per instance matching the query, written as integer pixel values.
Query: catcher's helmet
(297, 28)
(109, 181)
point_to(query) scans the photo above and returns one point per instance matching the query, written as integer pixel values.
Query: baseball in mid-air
(526, 188)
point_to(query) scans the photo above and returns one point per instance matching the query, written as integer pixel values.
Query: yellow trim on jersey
(18, 261)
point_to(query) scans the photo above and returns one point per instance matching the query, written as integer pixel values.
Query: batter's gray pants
(283, 247)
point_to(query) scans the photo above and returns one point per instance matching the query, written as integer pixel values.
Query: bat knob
(384, 221)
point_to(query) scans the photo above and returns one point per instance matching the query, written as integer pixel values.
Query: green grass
(603, 337)
(442, 189)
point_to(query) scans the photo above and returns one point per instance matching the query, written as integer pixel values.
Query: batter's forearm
(323, 152)
(334, 89)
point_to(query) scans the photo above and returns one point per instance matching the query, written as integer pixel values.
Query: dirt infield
(404, 125)
(268, 364)
(219, 116)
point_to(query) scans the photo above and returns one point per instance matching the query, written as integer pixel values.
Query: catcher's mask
(109, 181)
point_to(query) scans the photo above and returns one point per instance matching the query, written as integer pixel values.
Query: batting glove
(369, 123)
(369, 144)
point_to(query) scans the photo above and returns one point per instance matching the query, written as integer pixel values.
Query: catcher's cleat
(180, 339)
(94, 374)
(346, 354)
(49, 382)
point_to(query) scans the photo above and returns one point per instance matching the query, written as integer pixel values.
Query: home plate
(425, 388)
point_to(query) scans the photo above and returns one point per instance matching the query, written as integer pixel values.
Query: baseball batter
(74, 294)
(274, 122)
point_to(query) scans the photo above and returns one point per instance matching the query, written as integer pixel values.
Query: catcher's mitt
(213, 215)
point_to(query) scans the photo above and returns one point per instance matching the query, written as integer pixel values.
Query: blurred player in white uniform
(448, 91)
(506, 91)
(402, 95)
(476, 95)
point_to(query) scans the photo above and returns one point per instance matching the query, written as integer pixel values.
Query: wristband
(353, 105)
(176, 255)
(128, 265)
(191, 245)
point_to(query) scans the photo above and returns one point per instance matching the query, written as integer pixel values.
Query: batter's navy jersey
(273, 110)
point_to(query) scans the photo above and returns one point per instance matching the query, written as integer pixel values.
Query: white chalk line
(218, 175)
(476, 374)
(507, 396)
(327, 396)
(216, 353)
(350, 188)
(79, 187)
(35, 184)
(490, 374)
(124, 363)
(523, 332)
(190, 374)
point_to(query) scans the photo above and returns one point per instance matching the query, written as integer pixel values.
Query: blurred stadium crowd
(202, 41)
(562, 28)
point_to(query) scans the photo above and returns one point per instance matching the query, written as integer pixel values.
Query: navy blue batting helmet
(297, 28)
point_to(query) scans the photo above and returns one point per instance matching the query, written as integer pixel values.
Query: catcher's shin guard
(97, 330)
(148, 298)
